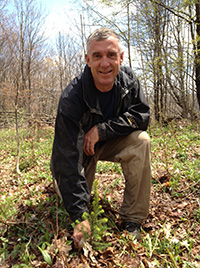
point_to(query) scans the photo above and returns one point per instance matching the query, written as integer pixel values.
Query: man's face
(104, 59)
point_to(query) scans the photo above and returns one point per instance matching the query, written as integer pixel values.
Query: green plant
(164, 243)
(197, 214)
(30, 215)
(98, 224)
(108, 167)
(3, 249)
(45, 254)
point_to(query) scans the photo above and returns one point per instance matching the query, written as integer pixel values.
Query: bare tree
(197, 48)
(70, 59)
(32, 40)
(158, 30)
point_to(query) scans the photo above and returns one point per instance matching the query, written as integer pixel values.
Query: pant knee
(140, 137)
(144, 137)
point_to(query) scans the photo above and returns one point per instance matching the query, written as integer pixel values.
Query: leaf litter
(173, 218)
(175, 214)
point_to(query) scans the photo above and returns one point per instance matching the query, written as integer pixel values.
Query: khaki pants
(133, 153)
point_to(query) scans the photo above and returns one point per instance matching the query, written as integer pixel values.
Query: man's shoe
(133, 228)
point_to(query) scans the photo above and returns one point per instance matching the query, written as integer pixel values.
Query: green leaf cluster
(98, 223)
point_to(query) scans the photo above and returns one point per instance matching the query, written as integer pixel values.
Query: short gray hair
(102, 34)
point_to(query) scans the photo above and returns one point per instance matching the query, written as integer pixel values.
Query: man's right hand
(79, 231)
(90, 139)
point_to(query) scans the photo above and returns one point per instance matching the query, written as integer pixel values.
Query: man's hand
(79, 231)
(90, 139)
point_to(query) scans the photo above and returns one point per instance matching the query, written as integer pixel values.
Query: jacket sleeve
(134, 115)
(66, 157)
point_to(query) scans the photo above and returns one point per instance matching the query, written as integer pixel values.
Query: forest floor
(35, 230)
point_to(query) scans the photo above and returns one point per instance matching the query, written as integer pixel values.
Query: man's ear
(121, 58)
(87, 59)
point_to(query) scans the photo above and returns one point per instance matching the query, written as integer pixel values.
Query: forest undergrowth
(35, 230)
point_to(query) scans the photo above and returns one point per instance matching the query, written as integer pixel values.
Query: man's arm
(90, 139)
(134, 115)
(66, 153)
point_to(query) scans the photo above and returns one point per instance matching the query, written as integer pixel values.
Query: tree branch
(174, 12)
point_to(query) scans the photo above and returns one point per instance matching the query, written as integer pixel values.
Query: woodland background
(161, 39)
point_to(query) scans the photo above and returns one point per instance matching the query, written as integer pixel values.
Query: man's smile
(108, 72)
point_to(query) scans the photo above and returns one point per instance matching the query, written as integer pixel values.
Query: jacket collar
(89, 89)
(122, 85)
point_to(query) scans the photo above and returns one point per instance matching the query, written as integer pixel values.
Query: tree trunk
(129, 33)
(197, 54)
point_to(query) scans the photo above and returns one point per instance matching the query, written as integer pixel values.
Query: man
(103, 115)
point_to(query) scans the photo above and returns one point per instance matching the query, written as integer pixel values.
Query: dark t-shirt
(106, 101)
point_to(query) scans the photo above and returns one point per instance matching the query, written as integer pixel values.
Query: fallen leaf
(89, 252)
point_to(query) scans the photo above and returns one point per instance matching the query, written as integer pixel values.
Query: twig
(57, 226)
(27, 248)
(15, 222)
(189, 187)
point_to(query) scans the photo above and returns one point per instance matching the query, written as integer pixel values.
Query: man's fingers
(78, 242)
(79, 233)
(88, 148)
(90, 139)
(77, 239)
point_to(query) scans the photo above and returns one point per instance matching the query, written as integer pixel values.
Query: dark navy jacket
(78, 112)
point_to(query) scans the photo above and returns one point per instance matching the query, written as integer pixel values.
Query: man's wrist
(102, 131)
(79, 217)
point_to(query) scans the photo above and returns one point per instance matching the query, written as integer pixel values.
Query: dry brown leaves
(176, 213)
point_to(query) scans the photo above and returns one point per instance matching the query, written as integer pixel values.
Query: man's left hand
(90, 139)
(80, 230)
